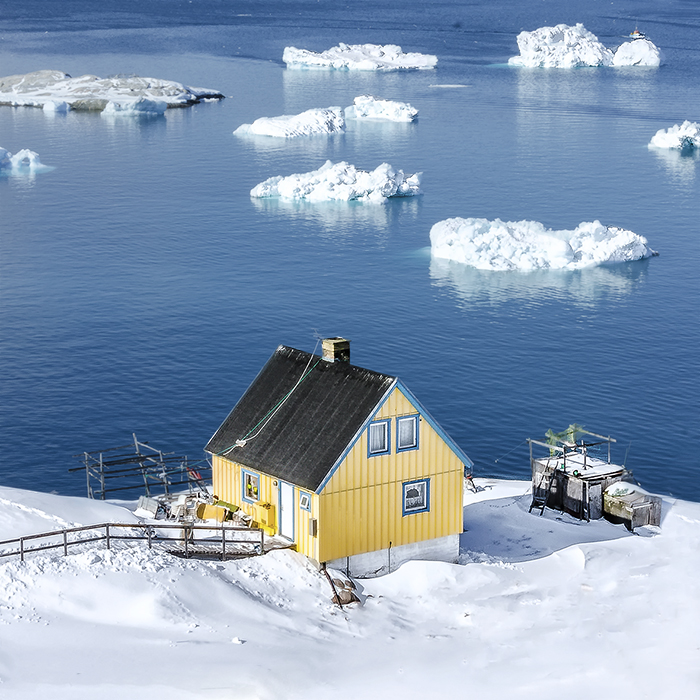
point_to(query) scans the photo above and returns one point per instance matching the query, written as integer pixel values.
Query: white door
(286, 510)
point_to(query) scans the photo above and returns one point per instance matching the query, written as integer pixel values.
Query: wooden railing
(189, 540)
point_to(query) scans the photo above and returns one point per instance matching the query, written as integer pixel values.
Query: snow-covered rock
(368, 107)
(314, 121)
(341, 181)
(528, 245)
(683, 137)
(640, 52)
(561, 46)
(88, 92)
(359, 57)
(24, 160)
(142, 107)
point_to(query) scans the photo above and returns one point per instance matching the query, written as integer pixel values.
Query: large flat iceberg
(341, 181)
(57, 91)
(563, 46)
(528, 245)
(359, 57)
(368, 107)
(682, 137)
(330, 120)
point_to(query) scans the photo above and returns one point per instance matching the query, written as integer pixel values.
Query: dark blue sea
(141, 288)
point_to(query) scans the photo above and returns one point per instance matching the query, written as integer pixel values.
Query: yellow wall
(227, 481)
(361, 505)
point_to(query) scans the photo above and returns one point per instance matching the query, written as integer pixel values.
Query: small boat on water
(636, 34)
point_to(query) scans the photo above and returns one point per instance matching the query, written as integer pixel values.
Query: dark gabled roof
(299, 436)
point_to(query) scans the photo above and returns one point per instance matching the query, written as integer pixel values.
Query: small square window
(251, 487)
(378, 443)
(407, 433)
(305, 501)
(416, 496)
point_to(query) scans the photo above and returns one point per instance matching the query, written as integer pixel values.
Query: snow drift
(359, 57)
(563, 46)
(23, 161)
(528, 245)
(341, 181)
(58, 91)
(314, 121)
(682, 137)
(368, 107)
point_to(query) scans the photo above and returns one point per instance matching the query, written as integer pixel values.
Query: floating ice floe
(57, 91)
(23, 161)
(341, 181)
(368, 107)
(682, 137)
(563, 46)
(314, 121)
(359, 57)
(528, 245)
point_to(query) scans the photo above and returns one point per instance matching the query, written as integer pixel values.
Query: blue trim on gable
(433, 423)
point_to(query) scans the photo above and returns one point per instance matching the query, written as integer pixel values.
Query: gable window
(251, 487)
(407, 433)
(378, 443)
(305, 501)
(416, 496)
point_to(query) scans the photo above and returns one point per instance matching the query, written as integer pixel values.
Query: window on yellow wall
(416, 496)
(407, 433)
(251, 487)
(304, 501)
(378, 443)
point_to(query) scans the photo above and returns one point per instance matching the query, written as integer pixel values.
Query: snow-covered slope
(313, 121)
(539, 607)
(359, 57)
(682, 137)
(563, 46)
(341, 181)
(57, 91)
(528, 245)
(368, 107)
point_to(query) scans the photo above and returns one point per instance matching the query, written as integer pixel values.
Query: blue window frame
(407, 433)
(416, 496)
(304, 501)
(250, 486)
(379, 438)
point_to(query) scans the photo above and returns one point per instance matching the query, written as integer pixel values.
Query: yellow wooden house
(343, 462)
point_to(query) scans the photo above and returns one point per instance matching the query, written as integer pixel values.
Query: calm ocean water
(141, 289)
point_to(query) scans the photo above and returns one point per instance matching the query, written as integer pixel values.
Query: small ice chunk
(368, 107)
(359, 57)
(142, 107)
(683, 137)
(561, 46)
(341, 181)
(56, 106)
(640, 52)
(314, 121)
(528, 245)
(22, 160)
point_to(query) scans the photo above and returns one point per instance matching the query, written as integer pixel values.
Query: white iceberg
(54, 89)
(640, 52)
(341, 181)
(359, 57)
(142, 107)
(682, 137)
(368, 107)
(314, 121)
(23, 161)
(528, 245)
(563, 46)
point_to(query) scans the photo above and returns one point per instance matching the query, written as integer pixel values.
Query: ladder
(540, 501)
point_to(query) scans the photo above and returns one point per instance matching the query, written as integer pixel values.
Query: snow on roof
(341, 181)
(685, 136)
(528, 245)
(563, 46)
(329, 120)
(56, 90)
(370, 57)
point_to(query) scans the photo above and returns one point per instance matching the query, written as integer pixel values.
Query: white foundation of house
(384, 561)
